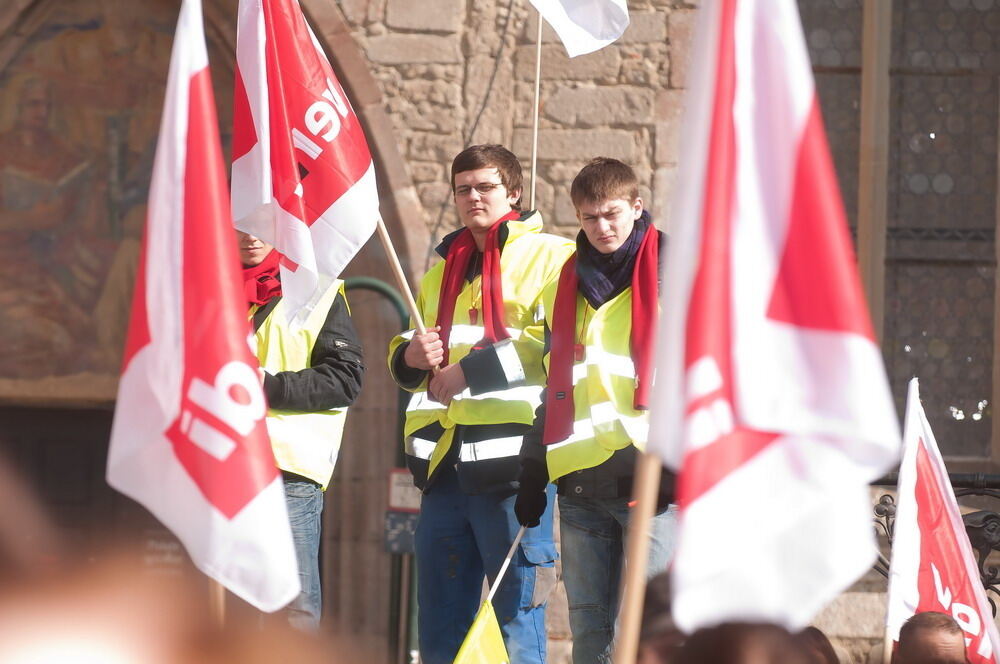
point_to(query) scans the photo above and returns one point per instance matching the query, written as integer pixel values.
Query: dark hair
(490, 155)
(742, 643)
(604, 179)
(815, 641)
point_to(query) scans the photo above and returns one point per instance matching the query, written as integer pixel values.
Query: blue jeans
(305, 512)
(594, 532)
(460, 539)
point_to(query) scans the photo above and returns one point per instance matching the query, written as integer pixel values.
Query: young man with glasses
(476, 381)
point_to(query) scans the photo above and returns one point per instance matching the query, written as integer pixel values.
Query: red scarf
(261, 282)
(559, 411)
(456, 265)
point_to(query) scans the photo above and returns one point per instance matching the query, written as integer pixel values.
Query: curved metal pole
(382, 288)
(401, 576)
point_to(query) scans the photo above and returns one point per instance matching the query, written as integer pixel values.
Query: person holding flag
(933, 567)
(597, 331)
(465, 421)
(304, 202)
(930, 637)
(310, 374)
(189, 439)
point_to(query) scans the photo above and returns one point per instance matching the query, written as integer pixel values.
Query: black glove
(531, 498)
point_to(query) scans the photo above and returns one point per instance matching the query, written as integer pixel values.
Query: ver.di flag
(933, 566)
(303, 178)
(771, 398)
(189, 440)
(584, 26)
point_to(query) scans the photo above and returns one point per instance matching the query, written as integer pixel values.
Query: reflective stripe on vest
(528, 261)
(494, 448)
(467, 335)
(303, 443)
(609, 363)
(603, 390)
(527, 393)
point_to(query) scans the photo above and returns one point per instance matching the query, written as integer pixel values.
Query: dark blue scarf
(602, 277)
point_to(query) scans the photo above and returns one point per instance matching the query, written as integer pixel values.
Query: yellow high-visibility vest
(528, 261)
(303, 443)
(603, 386)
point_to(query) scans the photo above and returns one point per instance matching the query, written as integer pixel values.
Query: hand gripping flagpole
(404, 285)
(647, 481)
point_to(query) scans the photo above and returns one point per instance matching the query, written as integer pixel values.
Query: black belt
(295, 477)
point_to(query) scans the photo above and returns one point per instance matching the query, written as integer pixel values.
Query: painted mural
(80, 105)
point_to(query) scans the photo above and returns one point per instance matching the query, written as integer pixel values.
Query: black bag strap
(261, 314)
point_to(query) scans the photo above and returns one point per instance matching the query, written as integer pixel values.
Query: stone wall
(454, 73)
(458, 72)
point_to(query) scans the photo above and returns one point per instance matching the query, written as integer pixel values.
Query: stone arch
(357, 571)
(401, 206)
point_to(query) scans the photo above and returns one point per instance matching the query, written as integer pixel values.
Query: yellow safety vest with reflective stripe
(528, 261)
(304, 443)
(603, 386)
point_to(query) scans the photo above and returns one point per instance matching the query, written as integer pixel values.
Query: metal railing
(982, 526)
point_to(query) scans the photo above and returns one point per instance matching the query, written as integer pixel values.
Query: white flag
(584, 26)
(189, 440)
(303, 178)
(771, 399)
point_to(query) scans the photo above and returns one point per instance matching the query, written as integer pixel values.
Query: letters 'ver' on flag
(189, 440)
(584, 26)
(771, 399)
(303, 178)
(933, 566)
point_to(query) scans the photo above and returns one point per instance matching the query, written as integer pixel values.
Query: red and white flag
(189, 440)
(933, 567)
(584, 26)
(303, 178)
(771, 398)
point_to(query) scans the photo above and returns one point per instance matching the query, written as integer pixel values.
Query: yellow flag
(484, 643)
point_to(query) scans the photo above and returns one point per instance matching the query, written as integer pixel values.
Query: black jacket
(336, 367)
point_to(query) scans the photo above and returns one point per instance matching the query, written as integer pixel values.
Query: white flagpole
(506, 564)
(534, 127)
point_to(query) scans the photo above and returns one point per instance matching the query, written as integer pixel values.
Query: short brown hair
(929, 620)
(490, 155)
(604, 179)
(913, 648)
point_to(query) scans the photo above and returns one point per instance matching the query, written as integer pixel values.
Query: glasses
(482, 188)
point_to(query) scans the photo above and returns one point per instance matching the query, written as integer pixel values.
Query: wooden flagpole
(644, 493)
(534, 125)
(217, 603)
(886, 647)
(397, 272)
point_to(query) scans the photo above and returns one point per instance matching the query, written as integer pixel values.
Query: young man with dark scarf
(598, 335)
(310, 376)
(476, 381)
